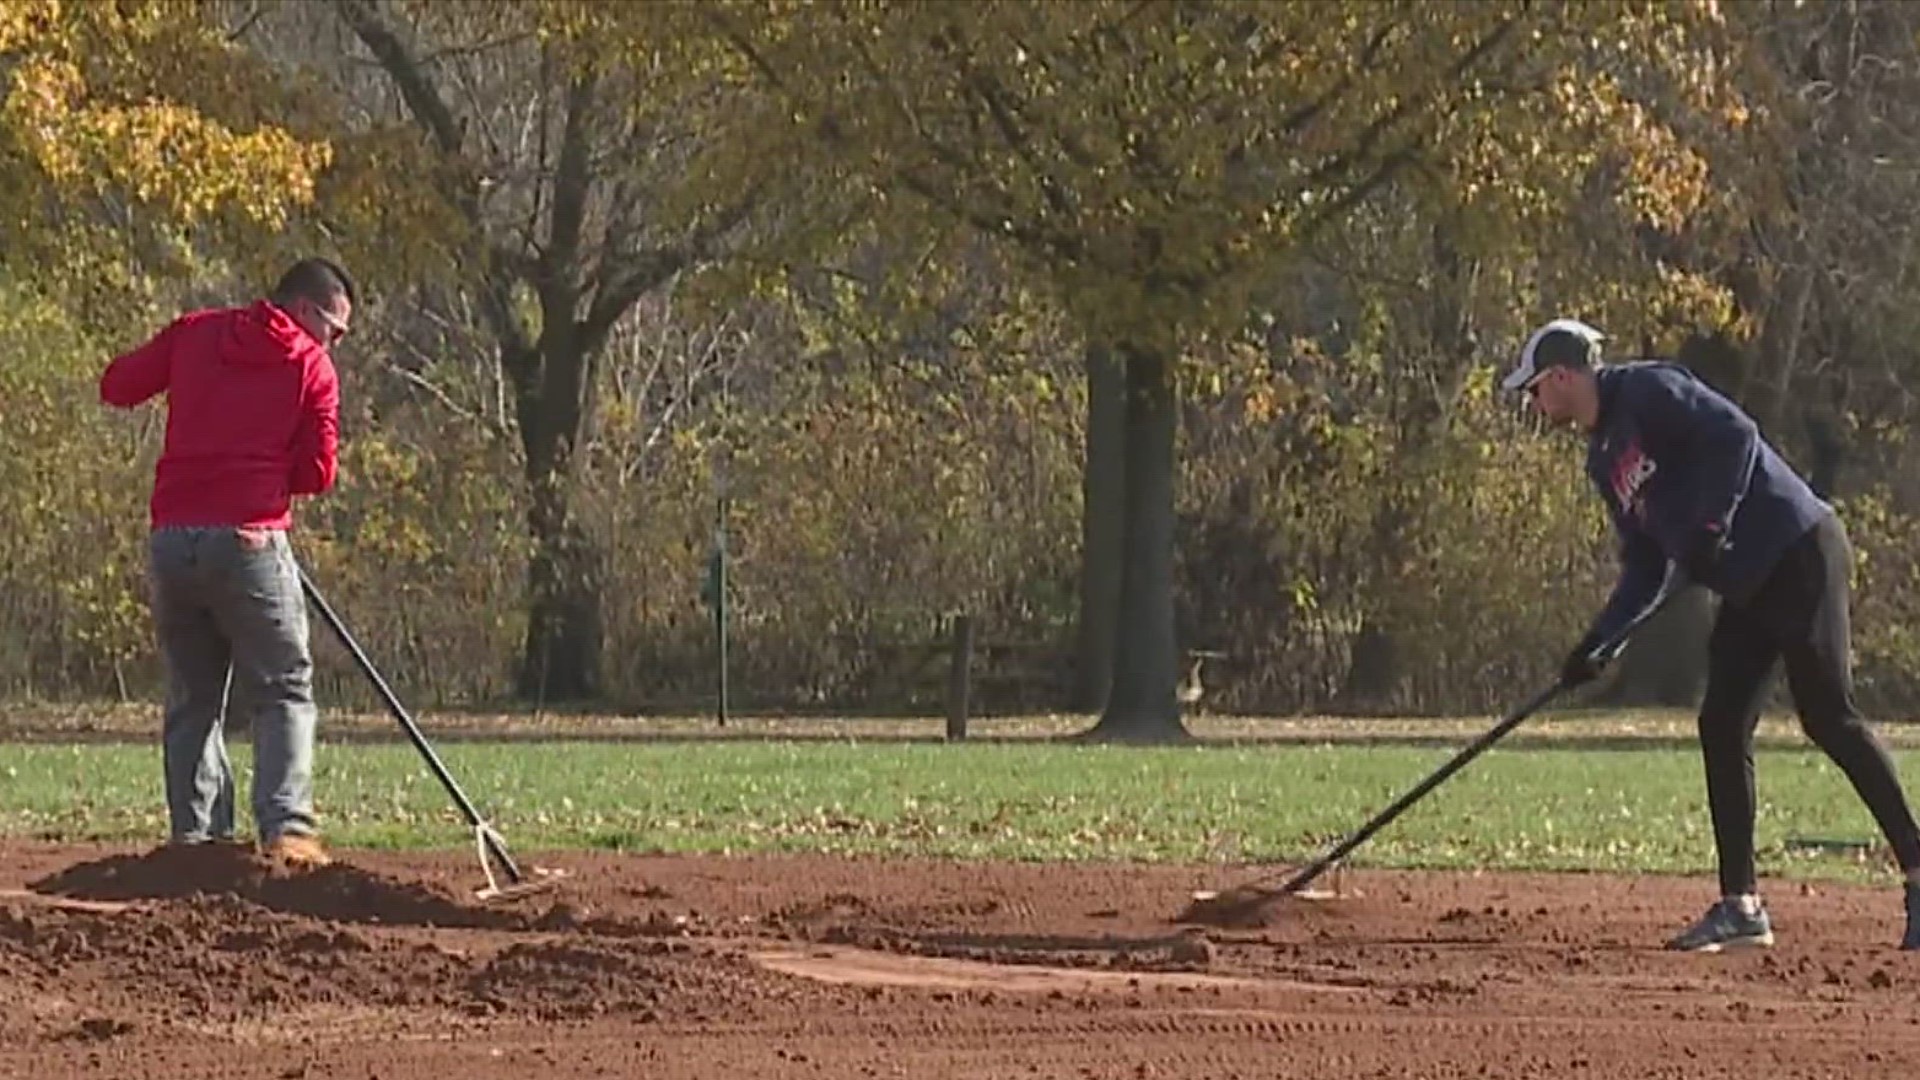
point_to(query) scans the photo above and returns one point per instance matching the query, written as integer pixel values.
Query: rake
(489, 845)
(1243, 903)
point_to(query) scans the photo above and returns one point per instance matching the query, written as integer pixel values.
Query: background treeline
(1130, 329)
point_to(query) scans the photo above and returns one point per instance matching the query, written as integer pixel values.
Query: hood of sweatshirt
(265, 334)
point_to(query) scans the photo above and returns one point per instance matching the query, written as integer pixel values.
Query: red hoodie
(253, 415)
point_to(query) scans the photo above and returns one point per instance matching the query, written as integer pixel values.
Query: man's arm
(316, 443)
(1642, 570)
(1720, 444)
(132, 378)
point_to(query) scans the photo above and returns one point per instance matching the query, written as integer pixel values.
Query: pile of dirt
(580, 978)
(23, 977)
(215, 934)
(335, 893)
(218, 958)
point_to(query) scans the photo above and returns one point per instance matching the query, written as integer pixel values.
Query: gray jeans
(230, 617)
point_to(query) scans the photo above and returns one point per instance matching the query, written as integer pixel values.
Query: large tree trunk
(1103, 517)
(560, 659)
(586, 269)
(561, 655)
(1826, 454)
(1143, 706)
(1373, 661)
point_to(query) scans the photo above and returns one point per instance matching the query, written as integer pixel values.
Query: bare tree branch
(254, 12)
(559, 290)
(366, 19)
(625, 280)
(1408, 105)
(420, 381)
(1002, 111)
(477, 48)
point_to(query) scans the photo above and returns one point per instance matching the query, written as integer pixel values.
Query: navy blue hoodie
(1673, 458)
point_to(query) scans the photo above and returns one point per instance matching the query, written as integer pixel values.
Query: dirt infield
(118, 962)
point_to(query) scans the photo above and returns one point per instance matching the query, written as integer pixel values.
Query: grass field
(1614, 800)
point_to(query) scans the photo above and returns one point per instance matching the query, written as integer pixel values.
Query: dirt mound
(1443, 974)
(336, 893)
(580, 978)
(217, 958)
(218, 935)
(220, 959)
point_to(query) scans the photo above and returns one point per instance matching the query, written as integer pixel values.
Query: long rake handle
(1513, 719)
(1439, 776)
(491, 839)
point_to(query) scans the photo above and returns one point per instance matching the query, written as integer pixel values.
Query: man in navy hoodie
(1689, 482)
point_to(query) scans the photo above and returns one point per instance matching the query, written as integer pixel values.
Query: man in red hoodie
(253, 407)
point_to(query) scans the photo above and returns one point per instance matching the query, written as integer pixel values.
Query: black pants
(1799, 616)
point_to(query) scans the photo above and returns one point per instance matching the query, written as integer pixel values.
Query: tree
(1103, 494)
(139, 149)
(1156, 165)
(1822, 269)
(138, 142)
(566, 167)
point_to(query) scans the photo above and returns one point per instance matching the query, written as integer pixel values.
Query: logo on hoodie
(1631, 471)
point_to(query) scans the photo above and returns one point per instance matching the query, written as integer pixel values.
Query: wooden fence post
(960, 678)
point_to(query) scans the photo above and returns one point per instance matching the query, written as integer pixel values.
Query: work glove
(1582, 666)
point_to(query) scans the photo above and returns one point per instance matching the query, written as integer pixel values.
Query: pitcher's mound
(338, 893)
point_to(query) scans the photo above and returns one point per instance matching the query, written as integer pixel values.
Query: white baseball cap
(1551, 346)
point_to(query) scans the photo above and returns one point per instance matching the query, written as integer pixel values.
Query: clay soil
(203, 963)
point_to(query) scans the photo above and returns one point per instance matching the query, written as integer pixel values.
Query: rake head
(1249, 906)
(492, 849)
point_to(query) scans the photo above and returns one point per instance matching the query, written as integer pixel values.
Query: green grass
(1533, 807)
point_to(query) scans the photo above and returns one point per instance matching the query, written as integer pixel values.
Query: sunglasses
(336, 329)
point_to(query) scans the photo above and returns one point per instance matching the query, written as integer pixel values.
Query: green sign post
(713, 591)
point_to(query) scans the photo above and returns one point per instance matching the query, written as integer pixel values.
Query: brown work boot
(298, 851)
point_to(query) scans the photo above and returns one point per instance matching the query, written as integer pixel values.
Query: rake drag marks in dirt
(141, 963)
